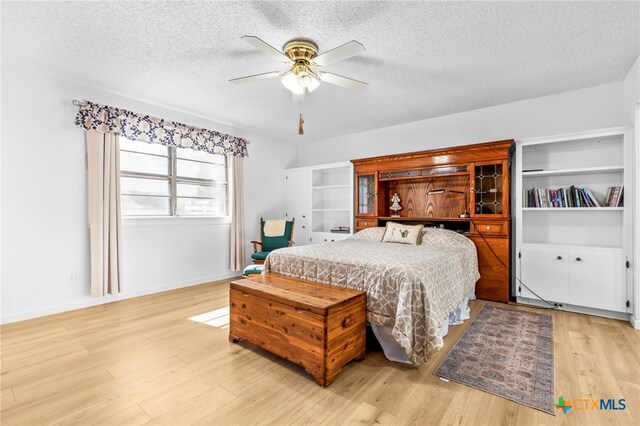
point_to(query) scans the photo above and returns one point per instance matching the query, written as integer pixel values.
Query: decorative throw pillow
(403, 234)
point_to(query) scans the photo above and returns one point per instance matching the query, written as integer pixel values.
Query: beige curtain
(103, 164)
(236, 257)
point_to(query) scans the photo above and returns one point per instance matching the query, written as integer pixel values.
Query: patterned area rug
(508, 353)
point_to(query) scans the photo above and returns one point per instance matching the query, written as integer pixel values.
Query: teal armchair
(268, 244)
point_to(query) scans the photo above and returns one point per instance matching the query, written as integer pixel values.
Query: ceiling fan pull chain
(301, 122)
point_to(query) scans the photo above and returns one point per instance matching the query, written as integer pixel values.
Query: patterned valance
(131, 125)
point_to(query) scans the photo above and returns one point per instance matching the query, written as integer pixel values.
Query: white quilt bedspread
(411, 289)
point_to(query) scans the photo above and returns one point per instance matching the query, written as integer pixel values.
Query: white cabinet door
(546, 272)
(297, 203)
(597, 280)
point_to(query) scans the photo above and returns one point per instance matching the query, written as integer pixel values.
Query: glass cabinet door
(366, 194)
(488, 187)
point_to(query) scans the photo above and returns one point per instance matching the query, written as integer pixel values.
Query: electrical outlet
(71, 278)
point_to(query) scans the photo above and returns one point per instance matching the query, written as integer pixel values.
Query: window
(164, 181)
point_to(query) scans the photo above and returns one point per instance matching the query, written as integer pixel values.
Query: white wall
(632, 91)
(585, 109)
(44, 219)
(43, 184)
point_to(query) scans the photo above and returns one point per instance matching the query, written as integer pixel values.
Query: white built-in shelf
(578, 171)
(573, 209)
(332, 186)
(331, 210)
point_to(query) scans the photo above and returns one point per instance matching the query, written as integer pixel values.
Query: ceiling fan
(302, 57)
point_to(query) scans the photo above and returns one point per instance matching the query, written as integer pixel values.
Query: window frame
(173, 180)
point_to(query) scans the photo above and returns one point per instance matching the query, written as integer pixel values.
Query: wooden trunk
(317, 326)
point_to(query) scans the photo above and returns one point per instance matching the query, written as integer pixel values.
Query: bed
(412, 290)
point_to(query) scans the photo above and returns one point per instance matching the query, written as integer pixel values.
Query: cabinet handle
(332, 241)
(303, 216)
(578, 259)
(365, 224)
(559, 257)
(488, 227)
(325, 239)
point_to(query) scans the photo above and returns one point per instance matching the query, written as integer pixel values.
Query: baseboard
(635, 322)
(95, 301)
(624, 316)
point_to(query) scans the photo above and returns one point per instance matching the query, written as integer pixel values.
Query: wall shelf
(578, 246)
(576, 171)
(425, 219)
(574, 209)
(332, 186)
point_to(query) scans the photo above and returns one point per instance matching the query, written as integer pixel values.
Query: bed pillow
(403, 234)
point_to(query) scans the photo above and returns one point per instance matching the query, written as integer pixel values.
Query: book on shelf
(570, 197)
(617, 193)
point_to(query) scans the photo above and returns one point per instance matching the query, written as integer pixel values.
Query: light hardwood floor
(142, 361)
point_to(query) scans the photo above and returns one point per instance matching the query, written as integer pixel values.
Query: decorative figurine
(395, 205)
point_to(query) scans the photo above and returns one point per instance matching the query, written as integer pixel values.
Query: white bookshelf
(332, 202)
(321, 198)
(575, 256)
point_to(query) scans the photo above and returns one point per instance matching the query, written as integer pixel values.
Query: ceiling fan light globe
(313, 85)
(290, 81)
(304, 80)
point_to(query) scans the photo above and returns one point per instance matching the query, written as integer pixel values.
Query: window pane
(191, 154)
(142, 163)
(201, 206)
(142, 205)
(140, 146)
(131, 185)
(195, 190)
(192, 169)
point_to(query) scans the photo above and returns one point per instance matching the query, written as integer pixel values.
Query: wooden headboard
(436, 188)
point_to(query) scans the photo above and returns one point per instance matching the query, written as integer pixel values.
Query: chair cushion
(272, 243)
(252, 269)
(261, 255)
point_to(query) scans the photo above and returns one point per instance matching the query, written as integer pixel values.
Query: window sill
(134, 221)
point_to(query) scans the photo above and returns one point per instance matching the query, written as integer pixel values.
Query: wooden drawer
(491, 285)
(489, 248)
(493, 252)
(316, 326)
(366, 223)
(490, 227)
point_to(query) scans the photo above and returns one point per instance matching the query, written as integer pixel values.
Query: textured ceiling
(423, 59)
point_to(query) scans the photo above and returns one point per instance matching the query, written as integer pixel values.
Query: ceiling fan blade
(347, 83)
(340, 53)
(255, 77)
(266, 48)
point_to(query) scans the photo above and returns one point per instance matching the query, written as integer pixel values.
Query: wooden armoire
(436, 188)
